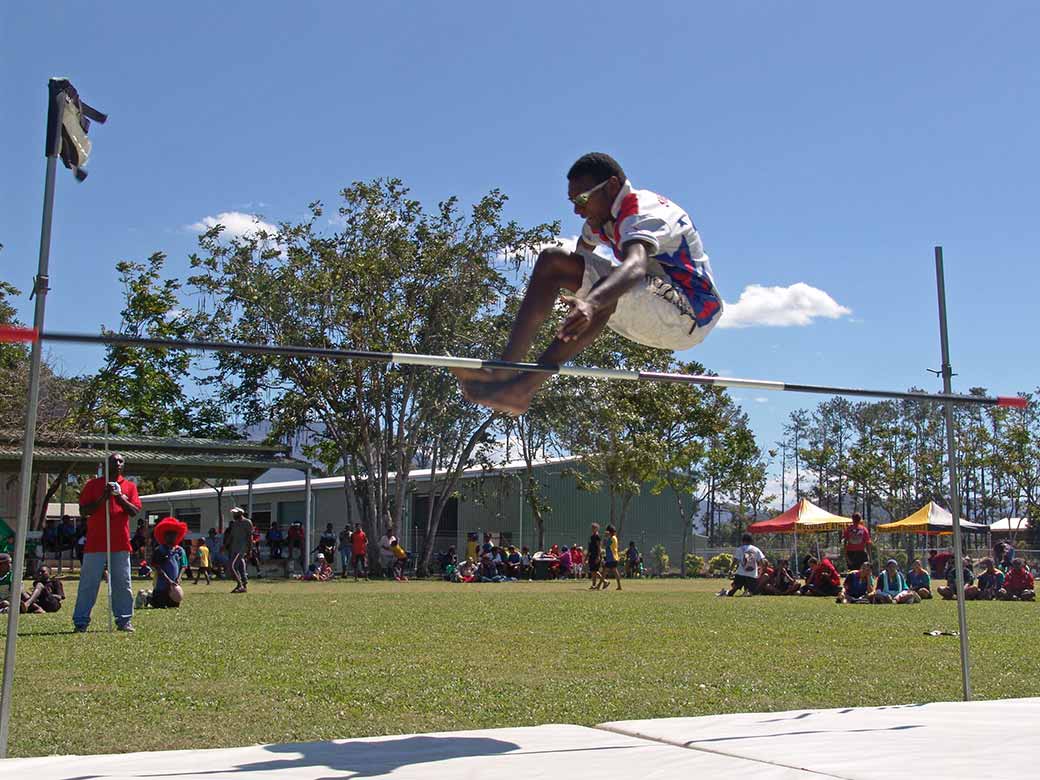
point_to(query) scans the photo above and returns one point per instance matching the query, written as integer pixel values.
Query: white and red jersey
(642, 215)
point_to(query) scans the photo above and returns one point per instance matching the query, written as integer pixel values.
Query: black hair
(597, 166)
(747, 539)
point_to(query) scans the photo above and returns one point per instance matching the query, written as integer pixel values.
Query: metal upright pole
(41, 286)
(308, 537)
(108, 541)
(951, 454)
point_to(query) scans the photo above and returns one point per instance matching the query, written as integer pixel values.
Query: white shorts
(654, 313)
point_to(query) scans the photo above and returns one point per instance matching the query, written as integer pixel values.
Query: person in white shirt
(659, 293)
(747, 557)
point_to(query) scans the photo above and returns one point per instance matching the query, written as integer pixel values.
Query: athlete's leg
(555, 269)
(514, 395)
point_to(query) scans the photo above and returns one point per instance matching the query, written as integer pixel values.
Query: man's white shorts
(654, 313)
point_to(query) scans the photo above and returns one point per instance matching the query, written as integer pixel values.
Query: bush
(660, 560)
(694, 565)
(721, 565)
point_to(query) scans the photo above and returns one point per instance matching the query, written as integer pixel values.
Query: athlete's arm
(632, 270)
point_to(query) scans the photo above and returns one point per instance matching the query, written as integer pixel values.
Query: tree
(393, 278)
(616, 429)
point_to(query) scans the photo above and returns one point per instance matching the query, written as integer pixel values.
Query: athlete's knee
(559, 264)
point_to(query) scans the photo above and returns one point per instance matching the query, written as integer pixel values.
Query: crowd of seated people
(490, 562)
(1002, 576)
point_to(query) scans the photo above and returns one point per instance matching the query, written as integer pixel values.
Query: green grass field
(292, 661)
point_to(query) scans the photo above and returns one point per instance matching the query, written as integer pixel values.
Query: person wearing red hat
(166, 559)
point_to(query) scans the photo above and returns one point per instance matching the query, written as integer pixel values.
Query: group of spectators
(490, 562)
(352, 545)
(1003, 576)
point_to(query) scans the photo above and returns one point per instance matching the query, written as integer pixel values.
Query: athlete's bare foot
(465, 375)
(510, 397)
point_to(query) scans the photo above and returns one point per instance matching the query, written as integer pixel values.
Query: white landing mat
(945, 740)
(532, 753)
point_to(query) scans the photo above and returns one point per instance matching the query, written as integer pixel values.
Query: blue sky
(823, 144)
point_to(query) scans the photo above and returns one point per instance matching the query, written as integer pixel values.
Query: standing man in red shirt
(857, 543)
(123, 504)
(359, 545)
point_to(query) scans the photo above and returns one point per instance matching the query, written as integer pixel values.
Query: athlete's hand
(578, 319)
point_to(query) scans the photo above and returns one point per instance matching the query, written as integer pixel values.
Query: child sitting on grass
(166, 560)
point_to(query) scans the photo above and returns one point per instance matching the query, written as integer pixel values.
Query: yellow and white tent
(929, 519)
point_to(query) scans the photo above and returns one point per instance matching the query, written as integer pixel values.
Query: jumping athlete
(661, 294)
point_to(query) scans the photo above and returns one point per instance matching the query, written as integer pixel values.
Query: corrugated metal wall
(486, 504)
(493, 504)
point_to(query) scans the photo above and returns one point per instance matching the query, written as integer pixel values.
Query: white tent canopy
(1010, 525)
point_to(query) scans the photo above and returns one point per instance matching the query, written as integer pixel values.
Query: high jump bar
(13, 334)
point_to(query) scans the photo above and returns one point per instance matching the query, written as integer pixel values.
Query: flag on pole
(68, 122)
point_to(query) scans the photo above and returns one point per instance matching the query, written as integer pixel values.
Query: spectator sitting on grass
(6, 582)
(526, 566)
(47, 593)
(467, 571)
(989, 585)
(891, 587)
(765, 571)
(823, 579)
(747, 557)
(166, 558)
(566, 565)
(487, 572)
(514, 562)
(781, 582)
(859, 586)
(144, 570)
(805, 570)
(1019, 584)
(325, 572)
(949, 590)
(919, 580)
(448, 558)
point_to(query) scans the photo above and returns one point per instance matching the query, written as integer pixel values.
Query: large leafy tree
(393, 277)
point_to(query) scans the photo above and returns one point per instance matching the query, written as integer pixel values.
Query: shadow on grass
(374, 758)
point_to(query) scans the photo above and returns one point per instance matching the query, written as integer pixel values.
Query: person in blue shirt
(990, 584)
(919, 579)
(166, 560)
(891, 587)
(858, 587)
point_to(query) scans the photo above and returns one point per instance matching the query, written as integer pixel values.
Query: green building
(487, 501)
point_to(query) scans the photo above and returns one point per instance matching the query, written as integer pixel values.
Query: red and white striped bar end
(16, 334)
(1014, 402)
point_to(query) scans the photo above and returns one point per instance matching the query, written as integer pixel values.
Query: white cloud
(798, 304)
(236, 224)
(760, 400)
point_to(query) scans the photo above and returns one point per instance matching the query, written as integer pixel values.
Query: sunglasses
(583, 198)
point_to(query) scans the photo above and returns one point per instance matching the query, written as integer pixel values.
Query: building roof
(148, 456)
(332, 483)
